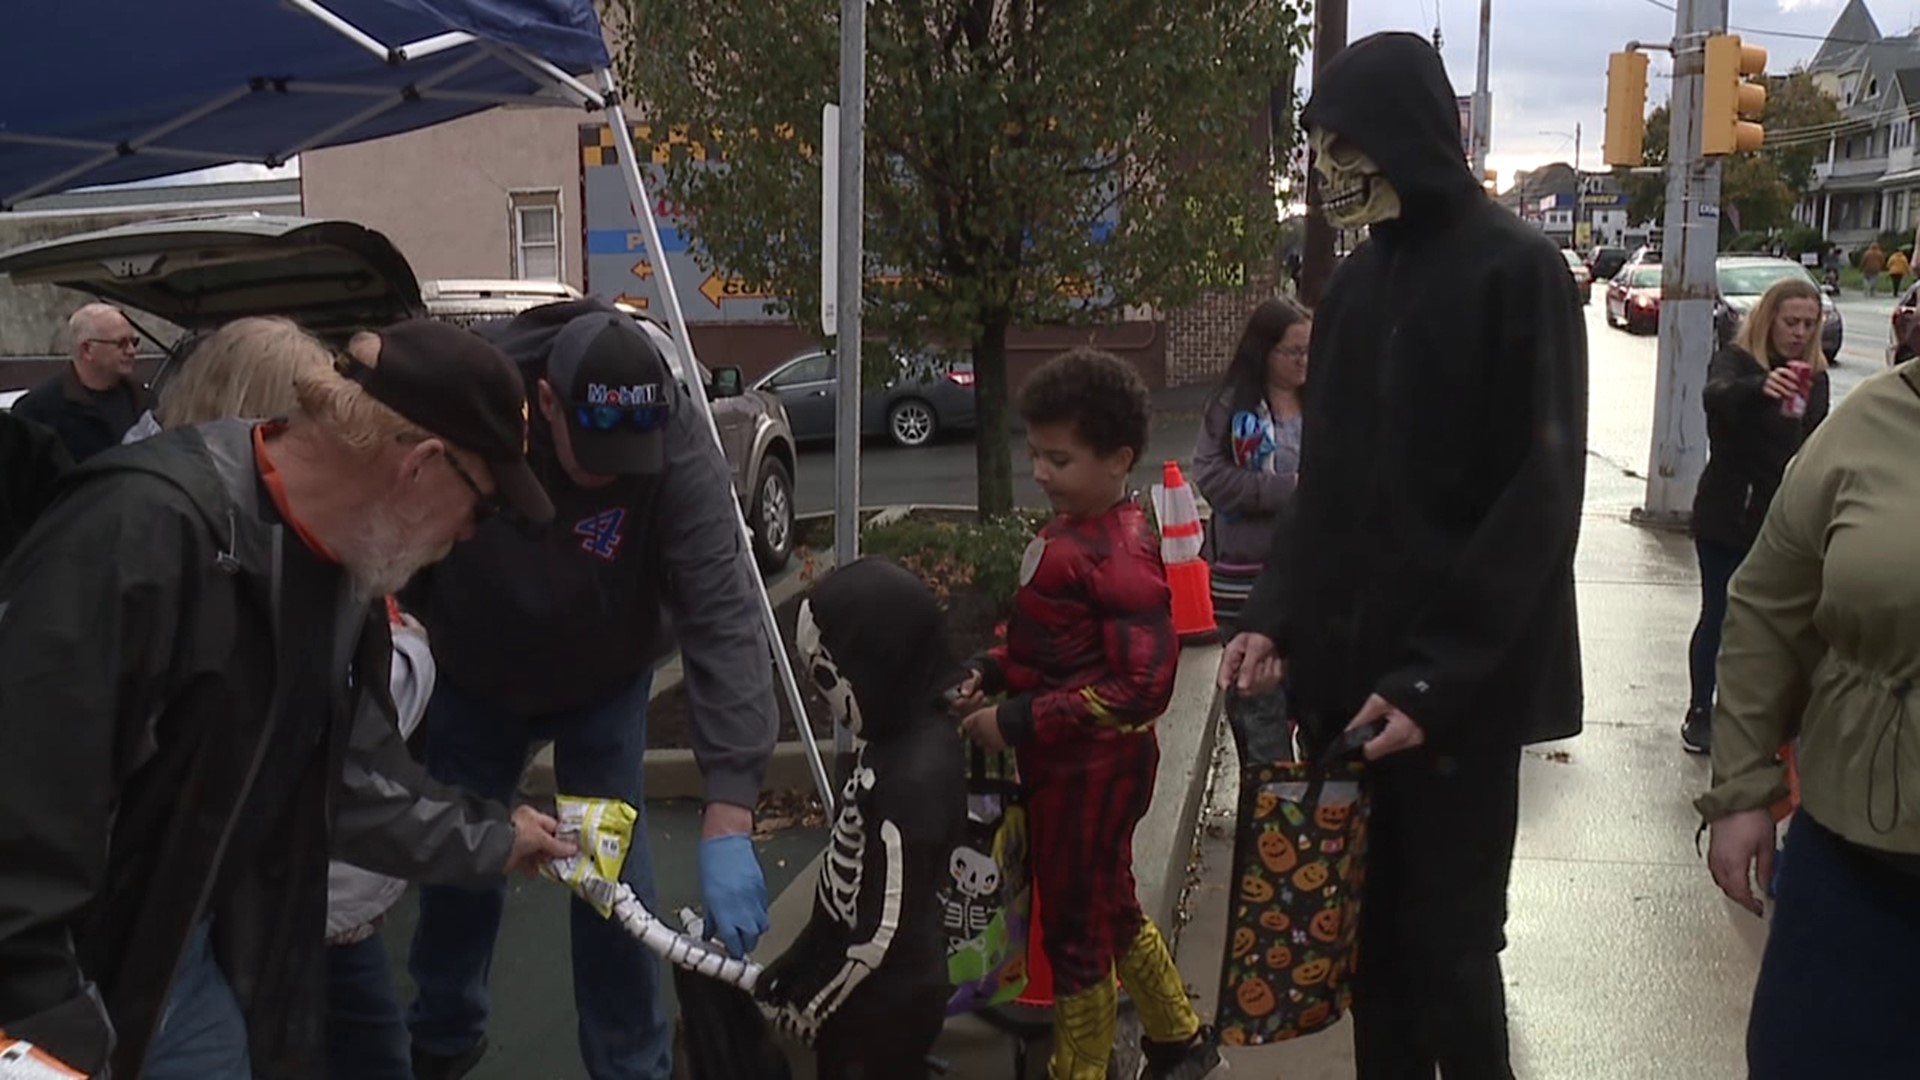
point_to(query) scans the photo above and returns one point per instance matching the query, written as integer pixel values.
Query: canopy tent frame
(558, 87)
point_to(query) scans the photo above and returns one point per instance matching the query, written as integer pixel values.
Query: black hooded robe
(1429, 554)
(882, 633)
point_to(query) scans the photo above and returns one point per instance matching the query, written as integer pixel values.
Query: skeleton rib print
(841, 874)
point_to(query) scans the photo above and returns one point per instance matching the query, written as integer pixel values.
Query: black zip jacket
(1748, 446)
(187, 722)
(1428, 556)
(65, 405)
(32, 461)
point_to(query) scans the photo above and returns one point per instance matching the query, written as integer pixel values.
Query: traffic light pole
(1689, 244)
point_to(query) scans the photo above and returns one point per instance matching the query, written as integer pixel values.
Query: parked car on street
(926, 395)
(1633, 299)
(1582, 277)
(337, 277)
(1740, 281)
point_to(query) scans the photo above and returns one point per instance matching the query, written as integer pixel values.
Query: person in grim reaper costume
(1425, 576)
(866, 981)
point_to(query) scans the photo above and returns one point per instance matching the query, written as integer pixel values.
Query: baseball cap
(615, 391)
(456, 385)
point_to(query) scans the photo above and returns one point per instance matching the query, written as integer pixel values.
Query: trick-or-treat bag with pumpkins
(987, 897)
(1298, 861)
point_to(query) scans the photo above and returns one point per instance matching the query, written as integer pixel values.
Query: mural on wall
(619, 265)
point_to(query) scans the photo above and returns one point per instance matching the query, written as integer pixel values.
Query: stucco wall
(443, 194)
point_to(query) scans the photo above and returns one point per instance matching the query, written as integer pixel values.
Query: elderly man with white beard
(188, 647)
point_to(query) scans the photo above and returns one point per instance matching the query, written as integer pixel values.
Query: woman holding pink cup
(1766, 391)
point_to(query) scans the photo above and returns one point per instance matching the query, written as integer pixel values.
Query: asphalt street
(944, 473)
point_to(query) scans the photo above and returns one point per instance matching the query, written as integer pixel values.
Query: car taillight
(961, 378)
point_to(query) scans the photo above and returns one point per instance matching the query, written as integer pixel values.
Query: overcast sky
(1548, 70)
(1549, 59)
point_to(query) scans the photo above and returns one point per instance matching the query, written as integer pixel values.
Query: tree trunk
(993, 465)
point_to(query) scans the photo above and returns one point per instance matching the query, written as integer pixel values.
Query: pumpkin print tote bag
(1298, 864)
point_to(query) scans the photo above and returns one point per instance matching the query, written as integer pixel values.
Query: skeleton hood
(1388, 94)
(878, 628)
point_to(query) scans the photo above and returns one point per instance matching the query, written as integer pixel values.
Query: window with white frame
(535, 225)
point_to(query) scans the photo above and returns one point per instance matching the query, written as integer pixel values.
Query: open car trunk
(332, 277)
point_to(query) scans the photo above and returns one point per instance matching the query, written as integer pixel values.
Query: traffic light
(1626, 109)
(1727, 97)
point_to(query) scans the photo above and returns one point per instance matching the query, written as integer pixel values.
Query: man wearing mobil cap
(187, 639)
(552, 635)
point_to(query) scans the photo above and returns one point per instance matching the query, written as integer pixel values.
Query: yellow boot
(1158, 992)
(1083, 1033)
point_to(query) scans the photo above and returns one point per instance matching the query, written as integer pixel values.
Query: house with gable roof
(1869, 181)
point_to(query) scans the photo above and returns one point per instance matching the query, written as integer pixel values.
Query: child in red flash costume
(1087, 668)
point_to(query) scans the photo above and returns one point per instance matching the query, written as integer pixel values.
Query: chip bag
(603, 829)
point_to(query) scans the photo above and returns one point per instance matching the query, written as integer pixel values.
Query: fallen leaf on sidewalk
(782, 810)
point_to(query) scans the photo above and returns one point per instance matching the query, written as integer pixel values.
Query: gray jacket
(1246, 502)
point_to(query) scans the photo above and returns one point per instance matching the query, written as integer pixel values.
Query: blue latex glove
(735, 892)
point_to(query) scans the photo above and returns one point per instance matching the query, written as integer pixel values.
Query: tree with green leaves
(1028, 162)
(1757, 191)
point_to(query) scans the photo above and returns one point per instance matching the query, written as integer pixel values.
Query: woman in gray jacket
(1247, 460)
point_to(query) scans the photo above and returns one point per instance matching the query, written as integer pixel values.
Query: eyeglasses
(484, 505)
(651, 416)
(129, 343)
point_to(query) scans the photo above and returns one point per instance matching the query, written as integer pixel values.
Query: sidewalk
(1624, 962)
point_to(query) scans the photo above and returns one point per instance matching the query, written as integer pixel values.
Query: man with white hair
(191, 660)
(93, 402)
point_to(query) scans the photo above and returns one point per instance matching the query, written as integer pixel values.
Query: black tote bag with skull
(987, 897)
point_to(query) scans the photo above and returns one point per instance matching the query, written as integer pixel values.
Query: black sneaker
(1696, 732)
(429, 1066)
(1194, 1059)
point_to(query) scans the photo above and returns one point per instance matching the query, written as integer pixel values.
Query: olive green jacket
(1822, 638)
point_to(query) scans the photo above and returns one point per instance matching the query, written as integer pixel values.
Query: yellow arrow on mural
(640, 302)
(643, 270)
(717, 288)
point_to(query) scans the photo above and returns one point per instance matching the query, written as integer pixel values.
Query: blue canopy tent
(101, 92)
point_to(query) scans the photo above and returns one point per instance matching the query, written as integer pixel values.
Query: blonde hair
(245, 369)
(1756, 333)
(347, 411)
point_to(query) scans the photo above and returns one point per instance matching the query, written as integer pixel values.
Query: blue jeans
(366, 1031)
(1717, 564)
(597, 751)
(202, 1035)
(1837, 993)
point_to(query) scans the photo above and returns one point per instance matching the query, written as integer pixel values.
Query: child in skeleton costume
(867, 978)
(1087, 668)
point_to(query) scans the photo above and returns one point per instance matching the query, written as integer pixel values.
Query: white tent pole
(344, 28)
(689, 374)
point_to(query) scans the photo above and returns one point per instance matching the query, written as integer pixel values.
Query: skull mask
(824, 672)
(1353, 190)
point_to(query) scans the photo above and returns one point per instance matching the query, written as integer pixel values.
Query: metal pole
(1316, 266)
(1482, 100)
(846, 437)
(1690, 242)
(689, 374)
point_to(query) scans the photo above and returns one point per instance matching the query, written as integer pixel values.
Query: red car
(1633, 299)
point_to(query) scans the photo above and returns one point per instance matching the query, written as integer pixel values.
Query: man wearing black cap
(187, 651)
(551, 635)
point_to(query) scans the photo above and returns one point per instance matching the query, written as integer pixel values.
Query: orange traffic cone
(1187, 573)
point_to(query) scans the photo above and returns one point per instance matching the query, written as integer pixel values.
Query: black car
(1604, 262)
